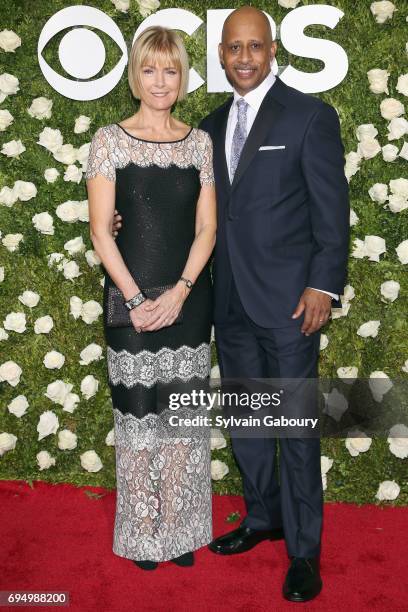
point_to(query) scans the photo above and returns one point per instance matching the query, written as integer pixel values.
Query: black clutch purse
(117, 315)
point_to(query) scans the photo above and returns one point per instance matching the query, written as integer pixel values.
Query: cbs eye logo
(72, 57)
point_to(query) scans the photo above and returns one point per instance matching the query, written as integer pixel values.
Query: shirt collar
(255, 97)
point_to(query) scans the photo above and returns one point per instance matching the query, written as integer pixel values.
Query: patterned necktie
(239, 137)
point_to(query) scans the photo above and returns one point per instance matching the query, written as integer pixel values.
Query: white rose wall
(55, 408)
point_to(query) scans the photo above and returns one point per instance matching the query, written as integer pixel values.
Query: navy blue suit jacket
(283, 224)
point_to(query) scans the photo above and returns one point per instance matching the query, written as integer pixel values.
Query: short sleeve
(206, 169)
(100, 159)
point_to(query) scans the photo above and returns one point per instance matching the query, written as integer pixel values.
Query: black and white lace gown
(163, 506)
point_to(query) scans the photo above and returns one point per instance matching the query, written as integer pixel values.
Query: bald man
(280, 260)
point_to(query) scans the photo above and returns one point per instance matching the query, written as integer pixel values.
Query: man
(280, 259)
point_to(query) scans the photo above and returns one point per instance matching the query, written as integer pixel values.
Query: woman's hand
(166, 308)
(140, 316)
(116, 223)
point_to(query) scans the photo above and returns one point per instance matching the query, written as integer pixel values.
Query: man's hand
(317, 308)
(116, 223)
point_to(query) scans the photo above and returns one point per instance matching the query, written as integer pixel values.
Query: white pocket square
(271, 147)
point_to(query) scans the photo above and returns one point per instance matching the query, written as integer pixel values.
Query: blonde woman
(157, 172)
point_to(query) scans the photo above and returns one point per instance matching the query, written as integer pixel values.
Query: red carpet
(56, 537)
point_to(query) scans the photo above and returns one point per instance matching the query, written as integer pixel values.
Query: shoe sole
(300, 599)
(239, 552)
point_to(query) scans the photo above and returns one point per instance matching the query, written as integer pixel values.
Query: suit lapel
(220, 161)
(266, 115)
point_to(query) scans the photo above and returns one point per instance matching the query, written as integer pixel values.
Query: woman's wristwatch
(136, 300)
(188, 282)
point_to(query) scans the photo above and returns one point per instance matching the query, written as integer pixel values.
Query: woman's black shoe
(185, 560)
(146, 565)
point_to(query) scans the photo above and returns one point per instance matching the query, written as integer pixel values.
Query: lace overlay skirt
(163, 475)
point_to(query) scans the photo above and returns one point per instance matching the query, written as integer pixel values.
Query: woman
(157, 172)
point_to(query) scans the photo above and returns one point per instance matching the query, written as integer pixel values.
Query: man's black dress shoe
(146, 565)
(243, 539)
(186, 560)
(303, 581)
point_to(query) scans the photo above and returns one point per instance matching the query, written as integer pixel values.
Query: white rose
(75, 245)
(398, 441)
(29, 298)
(1, 274)
(397, 128)
(288, 4)
(324, 341)
(405, 367)
(9, 84)
(369, 147)
(335, 404)
(12, 241)
(89, 386)
(217, 439)
(378, 193)
(349, 294)
(71, 270)
(67, 440)
(8, 196)
(379, 384)
(369, 329)
(91, 310)
(10, 372)
(57, 391)
(68, 211)
(388, 490)
(6, 119)
(357, 442)
(121, 5)
(391, 108)
(15, 321)
(92, 352)
(71, 401)
(337, 313)
(402, 252)
(82, 124)
(53, 360)
(54, 258)
(7, 442)
(48, 424)
(352, 165)
(382, 10)
(366, 131)
(43, 325)
(348, 374)
(325, 464)
(397, 203)
(378, 80)
(51, 175)
(389, 153)
(92, 258)
(219, 469)
(399, 186)
(66, 154)
(3, 335)
(75, 306)
(390, 290)
(90, 461)
(83, 154)
(354, 219)
(40, 108)
(375, 246)
(50, 139)
(73, 174)
(13, 148)
(44, 460)
(110, 438)
(18, 406)
(25, 190)
(402, 85)
(404, 151)
(147, 6)
(44, 223)
(9, 41)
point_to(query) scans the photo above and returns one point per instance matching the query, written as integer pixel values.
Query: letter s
(294, 41)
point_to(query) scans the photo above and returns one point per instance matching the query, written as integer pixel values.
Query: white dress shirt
(254, 100)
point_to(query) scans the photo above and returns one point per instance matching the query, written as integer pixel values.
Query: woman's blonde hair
(158, 44)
